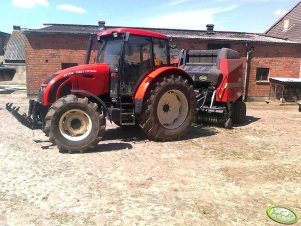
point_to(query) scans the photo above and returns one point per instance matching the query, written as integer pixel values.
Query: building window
(218, 46)
(67, 65)
(286, 25)
(262, 74)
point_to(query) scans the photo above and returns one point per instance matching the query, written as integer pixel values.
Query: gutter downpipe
(246, 80)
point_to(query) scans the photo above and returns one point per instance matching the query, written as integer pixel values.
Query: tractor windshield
(110, 51)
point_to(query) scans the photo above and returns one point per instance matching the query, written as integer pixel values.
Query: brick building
(58, 46)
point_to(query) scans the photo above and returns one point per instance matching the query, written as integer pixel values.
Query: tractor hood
(93, 78)
(77, 70)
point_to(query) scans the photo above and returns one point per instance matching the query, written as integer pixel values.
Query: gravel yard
(212, 177)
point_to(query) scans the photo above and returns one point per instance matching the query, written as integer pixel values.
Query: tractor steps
(127, 113)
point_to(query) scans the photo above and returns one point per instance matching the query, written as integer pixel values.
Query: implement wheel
(74, 124)
(168, 109)
(239, 112)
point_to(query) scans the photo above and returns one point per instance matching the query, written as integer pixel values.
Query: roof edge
(282, 17)
(5, 33)
(65, 32)
(80, 25)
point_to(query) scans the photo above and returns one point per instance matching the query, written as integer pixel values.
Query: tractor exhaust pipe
(89, 49)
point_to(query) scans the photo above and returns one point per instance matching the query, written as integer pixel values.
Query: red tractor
(131, 83)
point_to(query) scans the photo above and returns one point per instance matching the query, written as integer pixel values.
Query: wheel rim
(172, 109)
(75, 125)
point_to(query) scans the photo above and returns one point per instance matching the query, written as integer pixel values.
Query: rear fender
(150, 78)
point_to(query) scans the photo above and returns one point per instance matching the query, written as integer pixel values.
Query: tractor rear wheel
(168, 109)
(74, 124)
(239, 112)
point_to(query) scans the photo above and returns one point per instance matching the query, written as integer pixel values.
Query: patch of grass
(62, 218)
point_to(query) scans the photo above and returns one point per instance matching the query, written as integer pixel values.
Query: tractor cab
(131, 55)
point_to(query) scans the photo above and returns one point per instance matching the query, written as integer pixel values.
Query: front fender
(91, 77)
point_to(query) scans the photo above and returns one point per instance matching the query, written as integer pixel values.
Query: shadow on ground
(114, 146)
(110, 147)
(198, 131)
(121, 137)
(128, 134)
(11, 89)
(133, 134)
(249, 120)
(6, 91)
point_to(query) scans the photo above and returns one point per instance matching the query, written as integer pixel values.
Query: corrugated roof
(293, 20)
(222, 36)
(174, 33)
(15, 47)
(286, 80)
(64, 29)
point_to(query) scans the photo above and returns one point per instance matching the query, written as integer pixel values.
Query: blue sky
(228, 15)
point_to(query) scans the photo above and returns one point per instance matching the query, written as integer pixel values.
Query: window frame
(259, 77)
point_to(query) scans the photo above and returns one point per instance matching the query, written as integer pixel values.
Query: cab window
(160, 52)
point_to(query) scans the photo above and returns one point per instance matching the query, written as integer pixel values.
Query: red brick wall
(283, 61)
(45, 53)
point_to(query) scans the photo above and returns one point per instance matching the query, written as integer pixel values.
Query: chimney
(16, 28)
(101, 25)
(210, 29)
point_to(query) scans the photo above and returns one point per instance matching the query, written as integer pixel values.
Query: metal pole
(249, 51)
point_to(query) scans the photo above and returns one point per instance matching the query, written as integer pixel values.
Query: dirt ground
(212, 177)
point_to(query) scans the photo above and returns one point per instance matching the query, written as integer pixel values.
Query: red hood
(93, 78)
(83, 68)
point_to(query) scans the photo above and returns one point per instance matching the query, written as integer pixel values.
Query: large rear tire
(239, 112)
(168, 109)
(74, 124)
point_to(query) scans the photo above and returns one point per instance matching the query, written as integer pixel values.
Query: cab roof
(132, 31)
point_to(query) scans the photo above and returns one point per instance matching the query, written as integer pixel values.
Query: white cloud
(30, 3)
(195, 19)
(71, 8)
(280, 12)
(174, 3)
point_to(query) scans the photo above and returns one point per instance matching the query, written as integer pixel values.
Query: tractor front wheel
(168, 109)
(74, 124)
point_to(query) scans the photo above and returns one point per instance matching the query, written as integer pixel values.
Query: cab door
(137, 62)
